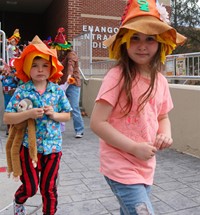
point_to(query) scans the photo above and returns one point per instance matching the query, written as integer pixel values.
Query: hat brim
(40, 47)
(147, 25)
(60, 46)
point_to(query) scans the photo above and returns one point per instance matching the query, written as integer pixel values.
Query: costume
(48, 134)
(150, 18)
(60, 42)
(12, 48)
(137, 99)
(46, 129)
(147, 17)
(37, 48)
(70, 80)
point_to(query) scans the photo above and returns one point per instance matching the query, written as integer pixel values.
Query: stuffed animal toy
(15, 138)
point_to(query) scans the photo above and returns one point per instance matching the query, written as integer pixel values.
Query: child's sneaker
(79, 135)
(19, 209)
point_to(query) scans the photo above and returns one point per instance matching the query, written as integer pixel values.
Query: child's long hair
(129, 72)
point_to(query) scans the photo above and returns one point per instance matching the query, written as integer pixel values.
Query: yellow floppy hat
(34, 49)
(147, 17)
(15, 36)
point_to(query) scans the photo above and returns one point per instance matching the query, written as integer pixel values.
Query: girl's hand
(144, 151)
(162, 141)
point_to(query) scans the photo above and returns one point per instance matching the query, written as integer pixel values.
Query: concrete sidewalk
(82, 189)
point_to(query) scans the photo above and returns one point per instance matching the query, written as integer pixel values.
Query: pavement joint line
(35, 210)
(6, 207)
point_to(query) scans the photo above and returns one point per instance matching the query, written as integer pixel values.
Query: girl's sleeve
(167, 104)
(110, 88)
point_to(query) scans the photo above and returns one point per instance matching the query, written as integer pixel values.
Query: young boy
(38, 67)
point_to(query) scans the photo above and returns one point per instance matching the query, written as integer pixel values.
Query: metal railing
(82, 45)
(99, 68)
(3, 50)
(177, 67)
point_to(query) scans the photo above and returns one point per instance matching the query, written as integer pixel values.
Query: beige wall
(165, 2)
(185, 117)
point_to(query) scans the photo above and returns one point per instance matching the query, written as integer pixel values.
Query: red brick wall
(104, 7)
(107, 13)
(74, 17)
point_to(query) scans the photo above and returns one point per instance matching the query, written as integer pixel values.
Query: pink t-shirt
(116, 164)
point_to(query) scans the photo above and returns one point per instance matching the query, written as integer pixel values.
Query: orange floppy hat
(37, 48)
(147, 17)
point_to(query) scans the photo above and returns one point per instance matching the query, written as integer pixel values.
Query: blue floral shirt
(48, 132)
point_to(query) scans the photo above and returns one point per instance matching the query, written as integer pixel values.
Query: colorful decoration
(60, 42)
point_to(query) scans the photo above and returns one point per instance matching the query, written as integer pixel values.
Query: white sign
(99, 34)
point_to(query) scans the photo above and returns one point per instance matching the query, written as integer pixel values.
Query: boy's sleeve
(63, 104)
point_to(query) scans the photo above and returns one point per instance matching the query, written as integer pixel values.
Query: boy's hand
(48, 110)
(36, 113)
(162, 141)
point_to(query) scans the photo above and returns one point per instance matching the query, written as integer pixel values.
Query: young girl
(38, 67)
(131, 111)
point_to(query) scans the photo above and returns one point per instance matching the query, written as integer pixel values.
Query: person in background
(130, 114)
(71, 68)
(70, 81)
(38, 67)
(9, 84)
(12, 48)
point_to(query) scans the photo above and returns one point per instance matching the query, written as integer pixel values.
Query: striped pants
(44, 175)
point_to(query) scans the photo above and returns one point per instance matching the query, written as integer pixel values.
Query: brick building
(76, 16)
(103, 17)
